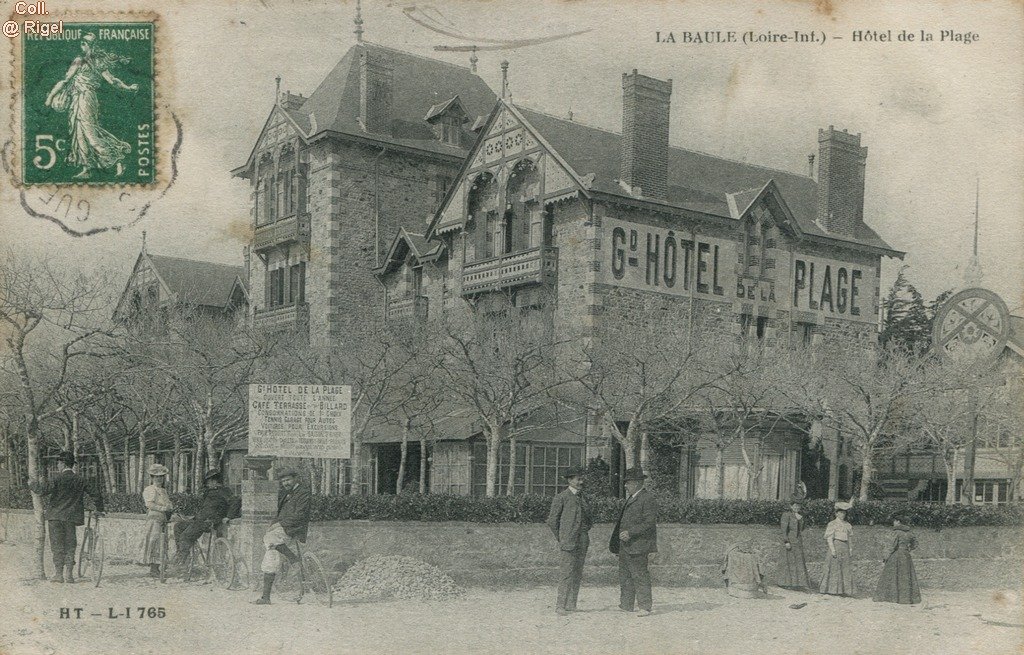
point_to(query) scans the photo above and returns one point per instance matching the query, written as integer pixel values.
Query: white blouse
(839, 530)
(156, 499)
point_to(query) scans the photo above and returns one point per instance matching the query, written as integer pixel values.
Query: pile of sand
(395, 576)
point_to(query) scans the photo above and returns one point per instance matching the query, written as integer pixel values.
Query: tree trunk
(866, 471)
(511, 483)
(950, 478)
(140, 474)
(720, 468)
(32, 440)
(107, 463)
(645, 448)
(176, 464)
(126, 452)
(74, 434)
(197, 465)
(403, 458)
(494, 436)
(423, 464)
(629, 449)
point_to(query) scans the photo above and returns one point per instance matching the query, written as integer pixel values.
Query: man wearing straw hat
(570, 521)
(291, 523)
(634, 538)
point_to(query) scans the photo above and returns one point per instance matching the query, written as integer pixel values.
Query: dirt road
(201, 619)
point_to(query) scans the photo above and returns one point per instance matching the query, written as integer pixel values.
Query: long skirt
(793, 566)
(149, 549)
(898, 582)
(837, 578)
(742, 575)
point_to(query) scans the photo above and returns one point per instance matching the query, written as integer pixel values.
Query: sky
(937, 118)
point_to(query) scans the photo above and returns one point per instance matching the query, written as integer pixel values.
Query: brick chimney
(645, 119)
(376, 90)
(841, 161)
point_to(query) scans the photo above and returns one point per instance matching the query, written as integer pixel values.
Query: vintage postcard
(545, 327)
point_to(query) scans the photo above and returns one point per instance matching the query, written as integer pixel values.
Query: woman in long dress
(158, 509)
(898, 582)
(793, 565)
(91, 146)
(837, 578)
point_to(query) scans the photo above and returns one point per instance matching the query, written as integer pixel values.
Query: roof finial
(143, 241)
(359, 21)
(810, 165)
(504, 78)
(277, 93)
(570, 110)
(472, 60)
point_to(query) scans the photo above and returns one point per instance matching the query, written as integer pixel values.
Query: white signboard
(300, 420)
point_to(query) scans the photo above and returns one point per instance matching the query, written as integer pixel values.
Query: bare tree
(51, 318)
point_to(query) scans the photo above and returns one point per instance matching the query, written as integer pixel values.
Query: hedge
(534, 509)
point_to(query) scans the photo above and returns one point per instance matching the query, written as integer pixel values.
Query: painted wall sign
(833, 288)
(300, 420)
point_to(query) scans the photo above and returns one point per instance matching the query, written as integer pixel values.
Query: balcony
(284, 317)
(410, 307)
(534, 266)
(293, 229)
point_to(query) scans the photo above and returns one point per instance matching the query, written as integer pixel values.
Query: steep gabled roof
(203, 283)
(696, 181)
(406, 242)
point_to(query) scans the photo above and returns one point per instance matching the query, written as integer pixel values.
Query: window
(523, 207)
(482, 209)
(270, 204)
(288, 181)
(297, 283)
(935, 492)
(549, 465)
(480, 470)
(806, 331)
(441, 184)
(276, 288)
(762, 327)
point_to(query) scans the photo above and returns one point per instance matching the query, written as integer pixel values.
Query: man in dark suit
(65, 511)
(216, 505)
(570, 520)
(634, 538)
(294, 504)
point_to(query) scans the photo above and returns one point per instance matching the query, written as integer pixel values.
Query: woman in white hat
(159, 508)
(837, 577)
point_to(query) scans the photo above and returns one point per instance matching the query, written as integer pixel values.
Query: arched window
(751, 248)
(524, 216)
(287, 181)
(483, 215)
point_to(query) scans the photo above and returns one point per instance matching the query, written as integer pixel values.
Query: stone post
(259, 506)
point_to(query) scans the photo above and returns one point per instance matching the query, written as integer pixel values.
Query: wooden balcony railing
(285, 230)
(284, 317)
(534, 266)
(409, 307)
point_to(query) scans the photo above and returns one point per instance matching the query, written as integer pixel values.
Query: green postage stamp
(88, 105)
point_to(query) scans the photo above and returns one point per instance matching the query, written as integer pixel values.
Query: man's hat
(286, 472)
(212, 474)
(634, 474)
(574, 472)
(66, 457)
(158, 469)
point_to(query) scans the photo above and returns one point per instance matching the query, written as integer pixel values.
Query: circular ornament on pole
(973, 322)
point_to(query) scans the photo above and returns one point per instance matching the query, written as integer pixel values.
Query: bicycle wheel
(288, 581)
(316, 580)
(97, 560)
(193, 563)
(85, 554)
(222, 563)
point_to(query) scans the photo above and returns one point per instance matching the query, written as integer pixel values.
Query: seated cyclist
(215, 507)
(292, 522)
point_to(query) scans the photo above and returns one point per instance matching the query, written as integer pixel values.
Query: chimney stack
(643, 161)
(376, 90)
(841, 162)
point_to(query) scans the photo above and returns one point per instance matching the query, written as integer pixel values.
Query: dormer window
(447, 119)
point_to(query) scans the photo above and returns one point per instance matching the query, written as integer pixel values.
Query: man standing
(215, 506)
(65, 511)
(292, 522)
(570, 521)
(635, 537)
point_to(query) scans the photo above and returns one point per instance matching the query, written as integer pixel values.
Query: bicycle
(91, 555)
(308, 576)
(218, 560)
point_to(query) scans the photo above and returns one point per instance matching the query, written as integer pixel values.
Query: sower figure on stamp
(570, 520)
(292, 522)
(65, 511)
(634, 538)
(215, 507)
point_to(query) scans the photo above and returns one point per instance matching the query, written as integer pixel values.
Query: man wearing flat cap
(215, 507)
(570, 520)
(65, 511)
(634, 538)
(291, 523)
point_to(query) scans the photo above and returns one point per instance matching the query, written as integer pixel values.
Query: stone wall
(510, 554)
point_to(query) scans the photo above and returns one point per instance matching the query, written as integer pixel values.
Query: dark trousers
(186, 533)
(570, 573)
(63, 541)
(634, 582)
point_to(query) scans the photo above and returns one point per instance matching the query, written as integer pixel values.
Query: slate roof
(419, 84)
(203, 283)
(696, 181)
